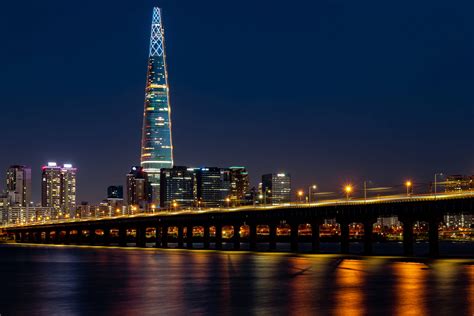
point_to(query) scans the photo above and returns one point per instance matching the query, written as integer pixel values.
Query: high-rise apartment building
(138, 192)
(276, 188)
(19, 185)
(239, 185)
(51, 186)
(58, 188)
(178, 187)
(213, 186)
(68, 189)
(157, 148)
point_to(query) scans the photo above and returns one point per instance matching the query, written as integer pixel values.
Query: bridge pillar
(31, 237)
(164, 236)
(407, 237)
(18, 237)
(253, 237)
(315, 239)
(344, 237)
(368, 236)
(47, 237)
(37, 237)
(189, 236)
(180, 236)
(218, 243)
(122, 236)
(106, 236)
(433, 237)
(294, 237)
(140, 236)
(206, 237)
(236, 236)
(67, 237)
(92, 236)
(157, 236)
(272, 235)
(57, 236)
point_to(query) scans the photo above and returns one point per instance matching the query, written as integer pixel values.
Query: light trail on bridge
(398, 198)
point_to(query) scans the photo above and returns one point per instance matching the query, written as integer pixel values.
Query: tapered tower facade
(157, 148)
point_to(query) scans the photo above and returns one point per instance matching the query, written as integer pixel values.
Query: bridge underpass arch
(227, 232)
(283, 230)
(131, 232)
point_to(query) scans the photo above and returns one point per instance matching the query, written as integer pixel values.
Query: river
(71, 280)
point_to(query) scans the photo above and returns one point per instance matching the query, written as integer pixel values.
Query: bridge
(123, 230)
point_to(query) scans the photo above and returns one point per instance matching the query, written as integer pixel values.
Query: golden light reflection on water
(410, 288)
(350, 279)
(470, 293)
(301, 286)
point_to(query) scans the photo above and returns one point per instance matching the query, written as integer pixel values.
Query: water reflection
(62, 280)
(410, 288)
(349, 296)
(470, 293)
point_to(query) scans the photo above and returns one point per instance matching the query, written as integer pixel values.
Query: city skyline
(274, 157)
(413, 137)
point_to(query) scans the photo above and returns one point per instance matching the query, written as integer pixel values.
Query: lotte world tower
(157, 148)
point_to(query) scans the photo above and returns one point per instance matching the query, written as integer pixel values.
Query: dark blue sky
(328, 90)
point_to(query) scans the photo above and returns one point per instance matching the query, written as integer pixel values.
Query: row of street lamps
(348, 189)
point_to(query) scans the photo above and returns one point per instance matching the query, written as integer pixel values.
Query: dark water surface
(85, 281)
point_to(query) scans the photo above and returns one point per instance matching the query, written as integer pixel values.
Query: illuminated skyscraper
(157, 148)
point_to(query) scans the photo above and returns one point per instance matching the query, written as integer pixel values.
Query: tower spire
(156, 39)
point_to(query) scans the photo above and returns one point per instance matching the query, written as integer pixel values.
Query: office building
(157, 148)
(138, 192)
(178, 187)
(276, 188)
(19, 185)
(239, 185)
(213, 186)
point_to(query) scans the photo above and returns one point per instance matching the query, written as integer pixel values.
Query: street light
(408, 184)
(348, 190)
(228, 201)
(300, 195)
(310, 192)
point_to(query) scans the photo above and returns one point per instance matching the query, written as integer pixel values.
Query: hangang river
(60, 280)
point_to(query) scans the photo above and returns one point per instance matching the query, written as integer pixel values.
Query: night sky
(330, 91)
